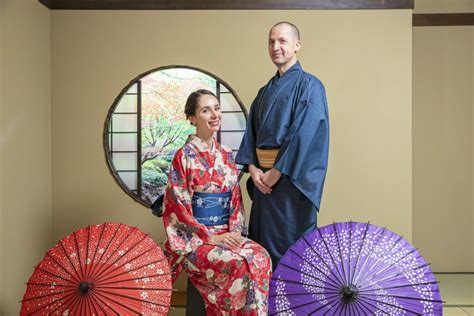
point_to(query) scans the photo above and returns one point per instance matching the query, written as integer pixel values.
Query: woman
(204, 220)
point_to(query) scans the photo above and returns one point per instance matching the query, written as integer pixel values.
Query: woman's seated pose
(204, 220)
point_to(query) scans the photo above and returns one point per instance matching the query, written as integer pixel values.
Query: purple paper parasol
(353, 269)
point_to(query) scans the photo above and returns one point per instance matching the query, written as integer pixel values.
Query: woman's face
(207, 118)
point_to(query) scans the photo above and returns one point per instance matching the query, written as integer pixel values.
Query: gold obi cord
(266, 157)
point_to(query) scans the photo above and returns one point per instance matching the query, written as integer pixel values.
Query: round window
(146, 125)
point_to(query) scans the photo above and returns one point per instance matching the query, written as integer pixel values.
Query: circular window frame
(105, 134)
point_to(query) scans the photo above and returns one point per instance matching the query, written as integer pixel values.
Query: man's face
(282, 45)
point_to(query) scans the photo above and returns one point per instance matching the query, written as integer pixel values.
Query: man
(285, 148)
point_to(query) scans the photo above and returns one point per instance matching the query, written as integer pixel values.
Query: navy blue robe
(290, 112)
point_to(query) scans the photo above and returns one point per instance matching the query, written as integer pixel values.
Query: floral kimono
(231, 281)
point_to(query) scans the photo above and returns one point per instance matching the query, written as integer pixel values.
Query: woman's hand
(230, 240)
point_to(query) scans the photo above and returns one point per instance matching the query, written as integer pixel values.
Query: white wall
(25, 146)
(443, 139)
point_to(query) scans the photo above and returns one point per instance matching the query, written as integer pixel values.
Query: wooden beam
(46, 3)
(226, 4)
(443, 19)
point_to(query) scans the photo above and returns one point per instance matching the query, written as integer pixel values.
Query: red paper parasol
(108, 269)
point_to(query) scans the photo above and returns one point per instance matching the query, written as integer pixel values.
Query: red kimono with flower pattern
(231, 282)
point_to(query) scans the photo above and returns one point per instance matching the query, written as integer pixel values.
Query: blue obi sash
(211, 209)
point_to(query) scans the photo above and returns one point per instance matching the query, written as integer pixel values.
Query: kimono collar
(201, 145)
(295, 67)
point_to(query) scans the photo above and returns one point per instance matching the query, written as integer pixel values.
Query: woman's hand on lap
(230, 240)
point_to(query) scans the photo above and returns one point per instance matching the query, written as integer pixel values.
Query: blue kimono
(290, 113)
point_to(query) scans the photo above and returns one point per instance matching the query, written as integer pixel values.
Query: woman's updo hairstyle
(193, 101)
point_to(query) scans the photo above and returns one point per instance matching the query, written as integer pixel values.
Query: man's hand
(257, 175)
(271, 177)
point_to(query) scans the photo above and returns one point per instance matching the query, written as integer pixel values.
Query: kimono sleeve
(184, 233)
(237, 212)
(237, 217)
(303, 155)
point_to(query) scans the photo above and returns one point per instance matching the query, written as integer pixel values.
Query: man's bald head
(283, 44)
(294, 29)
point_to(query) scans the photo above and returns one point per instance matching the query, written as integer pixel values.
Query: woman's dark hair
(193, 100)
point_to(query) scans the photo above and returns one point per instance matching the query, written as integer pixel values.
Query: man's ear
(297, 46)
